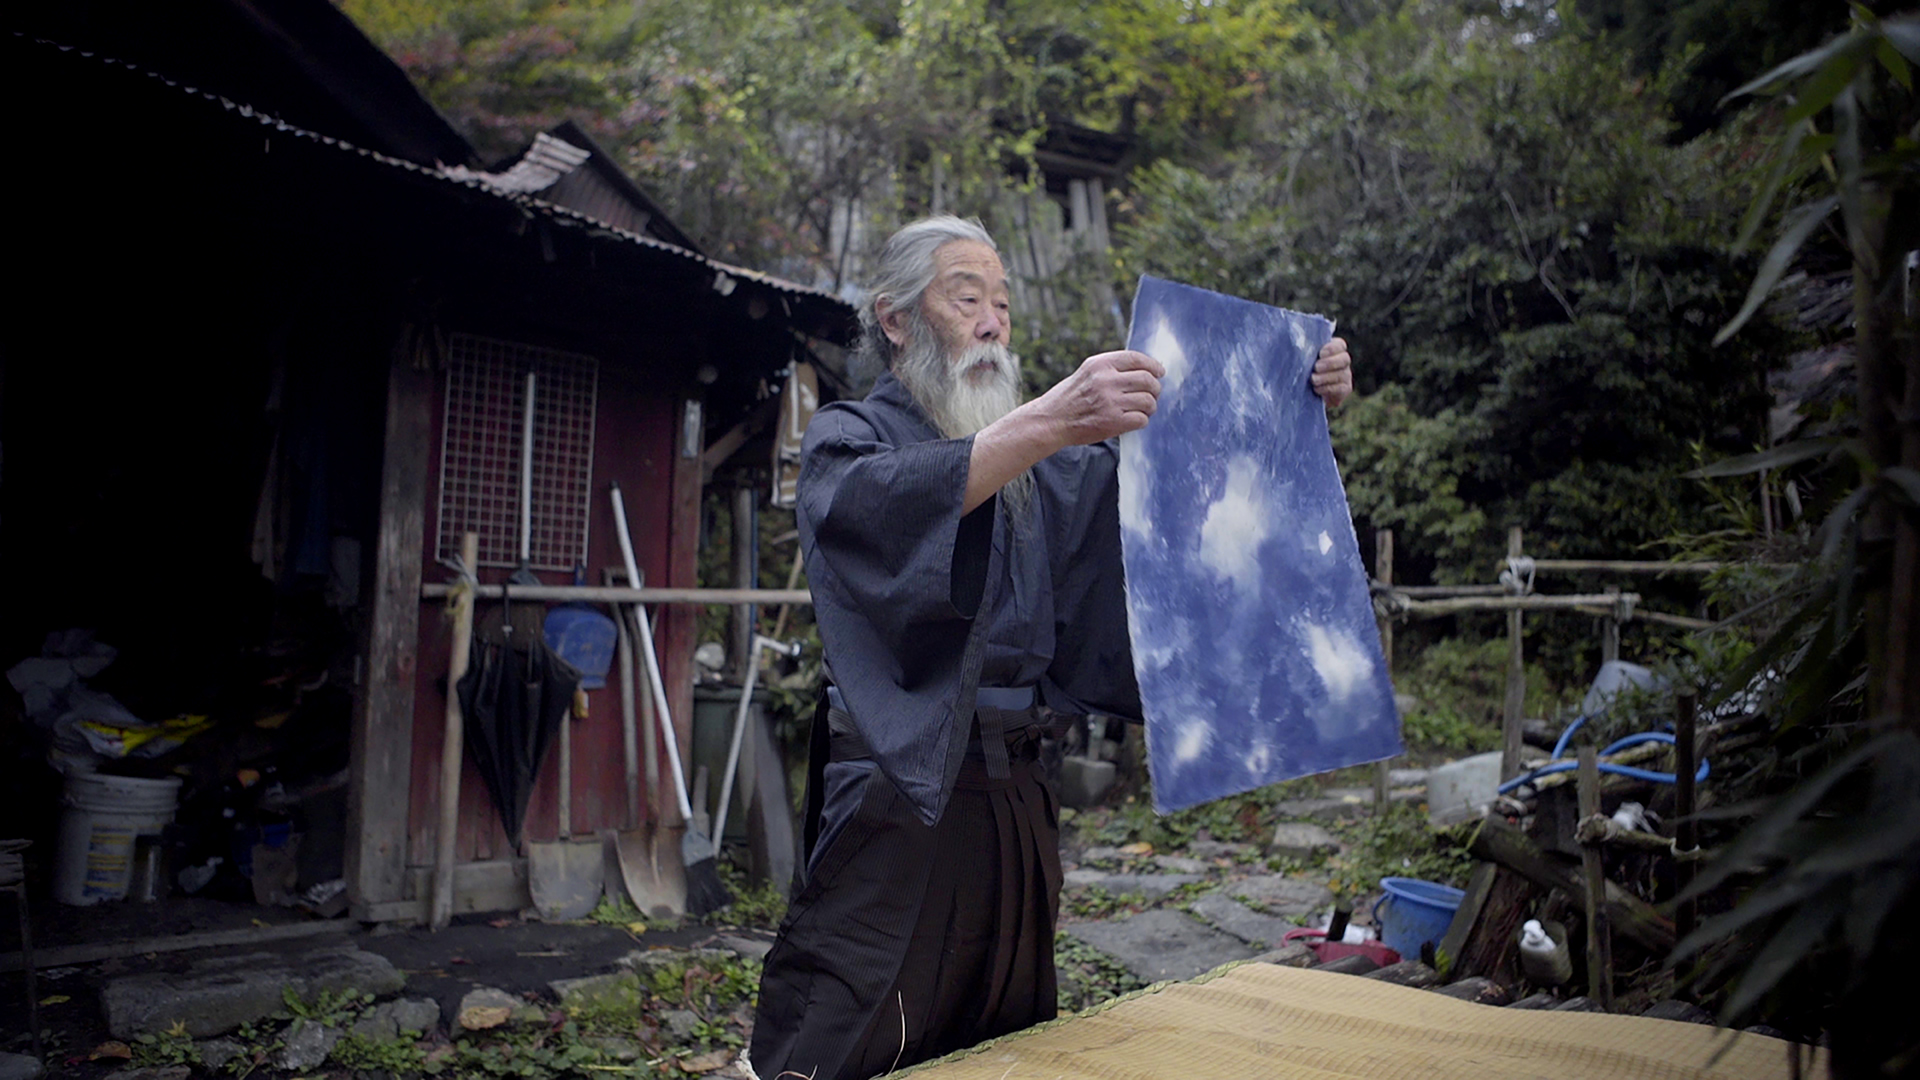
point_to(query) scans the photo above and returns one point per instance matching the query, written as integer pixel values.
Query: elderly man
(964, 554)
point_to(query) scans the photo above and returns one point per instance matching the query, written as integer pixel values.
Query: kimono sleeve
(898, 573)
(1092, 669)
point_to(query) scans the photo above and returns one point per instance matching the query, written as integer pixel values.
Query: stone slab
(217, 995)
(1162, 944)
(1407, 973)
(1479, 990)
(1282, 895)
(1225, 913)
(1541, 1000)
(1302, 840)
(1218, 849)
(1180, 864)
(307, 1045)
(1151, 886)
(20, 1067)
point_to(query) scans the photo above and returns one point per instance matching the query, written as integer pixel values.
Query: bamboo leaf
(1791, 152)
(1903, 33)
(1775, 897)
(1895, 64)
(1826, 83)
(1800, 936)
(1840, 521)
(1789, 809)
(1772, 458)
(1805, 219)
(1769, 651)
(1799, 66)
(1905, 482)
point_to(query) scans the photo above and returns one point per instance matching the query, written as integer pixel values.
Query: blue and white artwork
(1253, 632)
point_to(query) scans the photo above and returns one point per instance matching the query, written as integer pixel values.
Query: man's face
(953, 356)
(966, 305)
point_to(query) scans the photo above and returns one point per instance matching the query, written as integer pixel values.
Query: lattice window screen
(480, 451)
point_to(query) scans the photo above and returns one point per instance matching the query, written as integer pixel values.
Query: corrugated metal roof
(725, 276)
(544, 163)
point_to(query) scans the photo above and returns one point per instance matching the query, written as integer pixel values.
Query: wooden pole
(1685, 832)
(746, 541)
(1516, 680)
(1610, 630)
(620, 594)
(1599, 940)
(1383, 570)
(453, 743)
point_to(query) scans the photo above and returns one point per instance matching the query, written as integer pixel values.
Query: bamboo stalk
(1513, 714)
(612, 594)
(1383, 566)
(1599, 939)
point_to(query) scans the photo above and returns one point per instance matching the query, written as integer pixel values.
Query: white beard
(963, 394)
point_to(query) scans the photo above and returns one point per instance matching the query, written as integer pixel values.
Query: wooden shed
(272, 322)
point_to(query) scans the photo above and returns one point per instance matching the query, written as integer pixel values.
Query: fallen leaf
(708, 1062)
(111, 1050)
(482, 1017)
(458, 960)
(55, 999)
(1141, 848)
(499, 924)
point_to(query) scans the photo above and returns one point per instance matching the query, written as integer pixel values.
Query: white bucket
(100, 817)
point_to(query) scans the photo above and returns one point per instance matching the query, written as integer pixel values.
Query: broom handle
(657, 685)
(453, 740)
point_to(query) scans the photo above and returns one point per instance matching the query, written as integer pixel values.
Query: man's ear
(893, 323)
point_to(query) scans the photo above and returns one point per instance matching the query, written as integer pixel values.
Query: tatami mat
(1259, 1020)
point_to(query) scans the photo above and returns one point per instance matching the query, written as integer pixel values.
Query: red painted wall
(635, 441)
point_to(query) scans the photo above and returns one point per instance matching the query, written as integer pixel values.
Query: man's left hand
(1332, 376)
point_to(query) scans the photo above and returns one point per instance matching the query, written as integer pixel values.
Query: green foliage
(1459, 691)
(1530, 275)
(1087, 976)
(400, 1056)
(1399, 843)
(329, 1007)
(760, 906)
(170, 1047)
(1094, 902)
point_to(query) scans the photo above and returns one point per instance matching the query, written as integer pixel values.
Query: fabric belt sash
(1005, 733)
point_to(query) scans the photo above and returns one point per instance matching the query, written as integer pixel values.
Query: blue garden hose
(1559, 764)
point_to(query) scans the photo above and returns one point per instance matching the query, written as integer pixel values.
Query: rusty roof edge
(470, 181)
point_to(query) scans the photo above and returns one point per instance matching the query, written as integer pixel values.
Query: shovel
(566, 876)
(656, 886)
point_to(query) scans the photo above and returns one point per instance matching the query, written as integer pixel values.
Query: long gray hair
(901, 277)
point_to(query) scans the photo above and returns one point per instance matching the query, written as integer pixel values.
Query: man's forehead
(968, 260)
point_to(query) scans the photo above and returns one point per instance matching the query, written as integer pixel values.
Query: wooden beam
(381, 739)
(729, 444)
(1499, 841)
(1383, 568)
(1589, 603)
(1429, 592)
(1513, 714)
(617, 594)
(1593, 865)
(1635, 566)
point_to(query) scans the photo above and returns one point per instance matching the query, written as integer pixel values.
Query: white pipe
(526, 475)
(653, 661)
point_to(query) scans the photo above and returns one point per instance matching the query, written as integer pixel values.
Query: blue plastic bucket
(584, 638)
(1414, 912)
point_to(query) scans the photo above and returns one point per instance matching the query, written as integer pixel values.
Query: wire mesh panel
(480, 451)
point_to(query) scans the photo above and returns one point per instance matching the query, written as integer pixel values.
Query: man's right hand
(1111, 393)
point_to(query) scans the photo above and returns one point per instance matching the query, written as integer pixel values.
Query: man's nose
(991, 326)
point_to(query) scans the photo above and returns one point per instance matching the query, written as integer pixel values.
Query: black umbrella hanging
(514, 696)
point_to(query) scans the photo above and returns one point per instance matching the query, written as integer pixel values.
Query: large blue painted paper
(1253, 633)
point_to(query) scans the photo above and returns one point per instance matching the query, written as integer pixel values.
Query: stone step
(1162, 944)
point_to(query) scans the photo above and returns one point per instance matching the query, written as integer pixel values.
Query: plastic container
(1462, 790)
(100, 820)
(1414, 912)
(585, 638)
(1325, 951)
(1543, 953)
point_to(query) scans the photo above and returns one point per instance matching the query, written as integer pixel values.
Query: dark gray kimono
(933, 888)
(918, 606)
